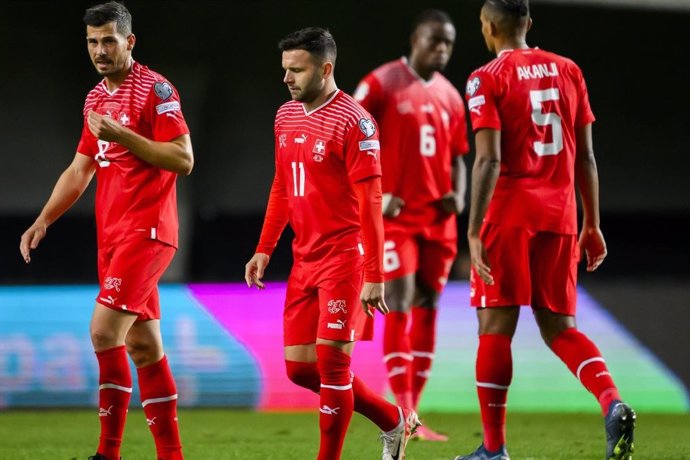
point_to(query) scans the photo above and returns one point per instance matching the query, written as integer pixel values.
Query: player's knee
(143, 352)
(103, 339)
(304, 374)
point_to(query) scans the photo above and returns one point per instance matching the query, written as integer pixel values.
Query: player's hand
(254, 270)
(104, 128)
(452, 203)
(392, 205)
(480, 262)
(373, 296)
(593, 245)
(30, 239)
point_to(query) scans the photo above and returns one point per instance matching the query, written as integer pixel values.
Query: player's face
(109, 50)
(303, 76)
(486, 31)
(432, 44)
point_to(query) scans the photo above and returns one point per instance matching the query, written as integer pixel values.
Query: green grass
(230, 434)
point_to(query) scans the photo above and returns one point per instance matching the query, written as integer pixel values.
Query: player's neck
(509, 44)
(328, 90)
(114, 81)
(423, 73)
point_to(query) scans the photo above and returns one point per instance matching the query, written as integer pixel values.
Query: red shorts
(322, 300)
(128, 273)
(427, 251)
(529, 268)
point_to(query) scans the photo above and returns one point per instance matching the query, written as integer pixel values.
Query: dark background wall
(223, 58)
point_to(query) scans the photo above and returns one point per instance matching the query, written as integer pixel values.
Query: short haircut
(317, 41)
(515, 9)
(105, 13)
(431, 15)
(512, 16)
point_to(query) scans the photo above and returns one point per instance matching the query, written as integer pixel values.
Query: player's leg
(555, 266)
(498, 311)
(138, 264)
(400, 265)
(108, 330)
(437, 251)
(157, 386)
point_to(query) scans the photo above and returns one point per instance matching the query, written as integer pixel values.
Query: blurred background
(223, 59)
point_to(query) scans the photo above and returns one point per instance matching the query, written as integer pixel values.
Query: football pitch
(217, 434)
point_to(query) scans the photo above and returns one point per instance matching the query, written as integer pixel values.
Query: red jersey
(318, 156)
(132, 196)
(422, 125)
(536, 99)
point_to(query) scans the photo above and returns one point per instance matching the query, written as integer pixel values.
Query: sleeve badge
(367, 127)
(163, 90)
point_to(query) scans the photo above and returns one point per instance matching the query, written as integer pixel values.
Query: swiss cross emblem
(124, 119)
(319, 147)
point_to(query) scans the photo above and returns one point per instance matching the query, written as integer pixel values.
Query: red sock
(115, 390)
(583, 358)
(368, 403)
(159, 398)
(494, 373)
(397, 356)
(337, 400)
(422, 342)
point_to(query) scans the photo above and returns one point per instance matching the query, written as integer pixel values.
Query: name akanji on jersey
(134, 197)
(422, 126)
(319, 155)
(537, 100)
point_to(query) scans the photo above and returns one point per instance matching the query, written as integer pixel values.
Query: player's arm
(274, 223)
(369, 198)
(485, 172)
(587, 179)
(454, 201)
(175, 155)
(68, 188)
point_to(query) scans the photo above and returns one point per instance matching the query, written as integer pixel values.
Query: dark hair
(104, 13)
(431, 15)
(515, 9)
(317, 41)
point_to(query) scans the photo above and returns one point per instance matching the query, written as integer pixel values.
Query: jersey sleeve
(584, 114)
(88, 144)
(362, 150)
(165, 112)
(481, 101)
(369, 94)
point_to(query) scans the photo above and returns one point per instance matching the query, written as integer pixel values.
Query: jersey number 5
(298, 178)
(547, 119)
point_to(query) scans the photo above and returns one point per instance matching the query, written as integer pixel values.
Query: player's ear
(327, 69)
(131, 40)
(529, 24)
(494, 29)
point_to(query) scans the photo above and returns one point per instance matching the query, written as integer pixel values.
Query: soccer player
(533, 128)
(327, 185)
(135, 139)
(423, 138)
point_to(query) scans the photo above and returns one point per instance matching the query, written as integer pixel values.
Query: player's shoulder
(347, 108)
(560, 60)
(445, 85)
(146, 79)
(494, 67)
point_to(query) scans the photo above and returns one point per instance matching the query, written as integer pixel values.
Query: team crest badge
(473, 85)
(163, 90)
(367, 127)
